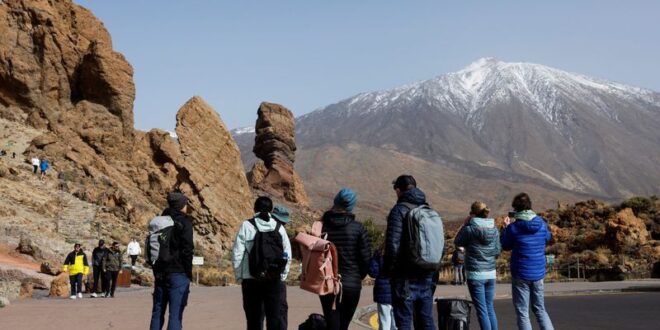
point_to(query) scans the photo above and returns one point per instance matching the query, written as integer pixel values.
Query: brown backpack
(319, 263)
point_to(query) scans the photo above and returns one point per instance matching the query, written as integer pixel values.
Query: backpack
(266, 259)
(159, 241)
(314, 322)
(424, 238)
(319, 263)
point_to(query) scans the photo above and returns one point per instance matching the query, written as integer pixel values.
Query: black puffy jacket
(182, 246)
(353, 247)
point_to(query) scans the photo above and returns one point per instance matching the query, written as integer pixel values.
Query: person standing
(526, 236)
(482, 243)
(44, 166)
(98, 254)
(261, 289)
(353, 250)
(77, 267)
(281, 214)
(111, 268)
(172, 277)
(35, 164)
(382, 291)
(458, 259)
(134, 251)
(412, 288)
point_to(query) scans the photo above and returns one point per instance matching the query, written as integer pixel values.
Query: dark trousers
(413, 297)
(133, 259)
(262, 298)
(173, 290)
(34, 169)
(76, 283)
(110, 282)
(340, 318)
(98, 278)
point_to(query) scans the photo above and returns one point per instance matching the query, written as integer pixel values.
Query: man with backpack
(171, 262)
(98, 254)
(261, 255)
(458, 259)
(410, 260)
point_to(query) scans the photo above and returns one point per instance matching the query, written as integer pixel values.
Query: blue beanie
(346, 199)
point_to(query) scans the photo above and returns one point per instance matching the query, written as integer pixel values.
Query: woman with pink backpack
(353, 250)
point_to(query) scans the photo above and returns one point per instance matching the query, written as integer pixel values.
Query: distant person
(172, 277)
(98, 254)
(382, 291)
(412, 286)
(35, 164)
(482, 244)
(13, 155)
(526, 236)
(111, 268)
(458, 259)
(44, 166)
(258, 243)
(134, 251)
(353, 250)
(77, 267)
(3, 153)
(281, 215)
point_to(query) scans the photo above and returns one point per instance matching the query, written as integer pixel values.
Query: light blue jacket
(243, 244)
(482, 246)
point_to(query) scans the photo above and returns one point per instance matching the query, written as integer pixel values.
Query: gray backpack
(423, 237)
(157, 245)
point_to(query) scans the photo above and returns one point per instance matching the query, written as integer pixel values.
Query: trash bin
(453, 313)
(124, 277)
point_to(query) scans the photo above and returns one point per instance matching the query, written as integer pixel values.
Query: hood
(413, 196)
(487, 233)
(529, 226)
(265, 225)
(336, 219)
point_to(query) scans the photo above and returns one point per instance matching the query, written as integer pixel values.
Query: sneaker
(106, 295)
(80, 295)
(73, 297)
(93, 295)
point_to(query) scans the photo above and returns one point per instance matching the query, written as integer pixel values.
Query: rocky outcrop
(626, 233)
(59, 287)
(275, 146)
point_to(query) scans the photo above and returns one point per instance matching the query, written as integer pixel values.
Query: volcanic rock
(625, 232)
(47, 268)
(25, 246)
(275, 145)
(59, 287)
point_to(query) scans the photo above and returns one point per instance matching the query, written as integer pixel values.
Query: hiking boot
(73, 297)
(93, 295)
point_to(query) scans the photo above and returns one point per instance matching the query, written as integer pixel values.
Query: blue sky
(308, 54)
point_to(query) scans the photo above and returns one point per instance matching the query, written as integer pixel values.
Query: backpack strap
(253, 222)
(317, 228)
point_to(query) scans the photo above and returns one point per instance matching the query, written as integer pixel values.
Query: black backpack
(266, 259)
(314, 322)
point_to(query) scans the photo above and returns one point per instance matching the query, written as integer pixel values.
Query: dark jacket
(182, 247)
(353, 247)
(482, 245)
(112, 261)
(394, 261)
(98, 254)
(526, 239)
(458, 257)
(382, 287)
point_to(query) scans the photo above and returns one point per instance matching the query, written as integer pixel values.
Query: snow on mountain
(487, 81)
(242, 130)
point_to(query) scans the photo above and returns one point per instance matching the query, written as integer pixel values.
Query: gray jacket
(482, 246)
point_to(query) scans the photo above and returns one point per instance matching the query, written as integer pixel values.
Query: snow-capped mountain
(512, 123)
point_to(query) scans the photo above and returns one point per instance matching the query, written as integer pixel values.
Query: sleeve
(104, 262)
(393, 235)
(463, 236)
(364, 250)
(67, 262)
(187, 247)
(238, 251)
(507, 238)
(287, 250)
(85, 265)
(374, 266)
(548, 234)
(498, 245)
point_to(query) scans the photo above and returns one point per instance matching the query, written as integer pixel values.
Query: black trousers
(76, 283)
(340, 318)
(98, 279)
(262, 298)
(110, 282)
(133, 259)
(34, 169)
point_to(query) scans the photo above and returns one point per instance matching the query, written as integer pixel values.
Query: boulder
(49, 269)
(25, 246)
(59, 287)
(4, 302)
(275, 145)
(626, 233)
(27, 288)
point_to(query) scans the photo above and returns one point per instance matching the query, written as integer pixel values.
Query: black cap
(403, 182)
(177, 200)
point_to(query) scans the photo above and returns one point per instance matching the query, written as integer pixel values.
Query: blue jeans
(413, 297)
(172, 290)
(522, 292)
(482, 293)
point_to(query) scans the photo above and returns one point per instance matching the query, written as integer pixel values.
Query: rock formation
(275, 145)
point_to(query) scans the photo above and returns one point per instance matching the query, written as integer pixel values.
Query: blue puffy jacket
(393, 261)
(482, 246)
(526, 239)
(382, 287)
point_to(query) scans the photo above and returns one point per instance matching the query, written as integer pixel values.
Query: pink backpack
(319, 263)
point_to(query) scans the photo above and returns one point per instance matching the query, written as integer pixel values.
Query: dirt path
(7, 258)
